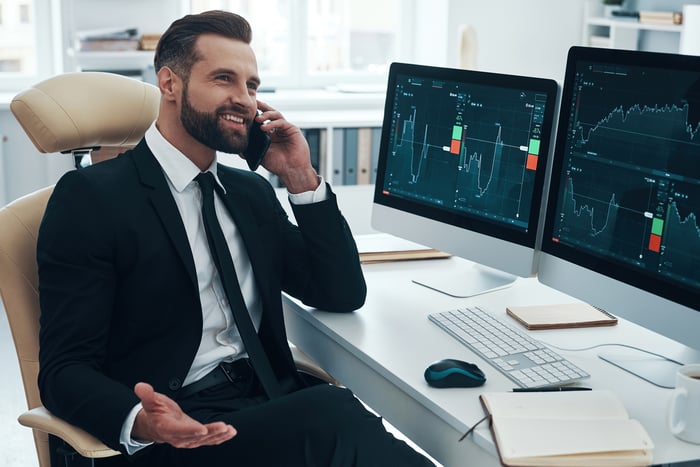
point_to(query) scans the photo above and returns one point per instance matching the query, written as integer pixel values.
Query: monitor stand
(475, 279)
(655, 370)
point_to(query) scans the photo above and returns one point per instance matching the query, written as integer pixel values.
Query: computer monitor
(621, 230)
(461, 168)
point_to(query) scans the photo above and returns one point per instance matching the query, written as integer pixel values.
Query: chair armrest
(39, 418)
(304, 364)
(84, 444)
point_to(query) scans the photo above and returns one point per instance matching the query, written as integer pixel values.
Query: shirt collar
(178, 168)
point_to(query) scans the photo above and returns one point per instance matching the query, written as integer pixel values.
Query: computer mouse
(452, 373)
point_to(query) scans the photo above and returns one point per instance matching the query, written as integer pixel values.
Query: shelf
(336, 119)
(632, 24)
(323, 100)
(625, 33)
(112, 59)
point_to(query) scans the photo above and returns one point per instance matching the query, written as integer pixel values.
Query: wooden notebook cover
(567, 315)
(377, 248)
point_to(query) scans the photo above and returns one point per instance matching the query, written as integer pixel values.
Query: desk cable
(473, 427)
(664, 357)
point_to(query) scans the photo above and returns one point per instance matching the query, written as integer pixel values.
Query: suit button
(174, 384)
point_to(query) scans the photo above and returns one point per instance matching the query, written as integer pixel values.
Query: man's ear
(168, 82)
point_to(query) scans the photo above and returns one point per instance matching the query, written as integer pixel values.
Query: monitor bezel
(464, 220)
(635, 277)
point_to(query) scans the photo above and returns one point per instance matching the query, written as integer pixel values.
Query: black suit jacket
(118, 289)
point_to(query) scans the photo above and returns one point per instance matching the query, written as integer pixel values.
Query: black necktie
(229, 279)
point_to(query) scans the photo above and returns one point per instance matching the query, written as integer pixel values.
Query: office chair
(74, 113)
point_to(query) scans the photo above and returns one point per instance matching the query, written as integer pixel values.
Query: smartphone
(258, 142)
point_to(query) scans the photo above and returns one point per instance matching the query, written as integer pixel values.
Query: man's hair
(176, 47)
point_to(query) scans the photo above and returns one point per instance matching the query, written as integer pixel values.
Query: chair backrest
(19, 224)
(85, 110)
(19, 281)
(63, 113)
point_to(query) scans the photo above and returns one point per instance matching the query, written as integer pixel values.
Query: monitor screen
(461, 167)
(622, 229)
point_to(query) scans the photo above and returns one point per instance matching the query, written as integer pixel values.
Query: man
(137, 332)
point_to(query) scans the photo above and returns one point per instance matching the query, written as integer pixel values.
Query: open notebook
(570, 428)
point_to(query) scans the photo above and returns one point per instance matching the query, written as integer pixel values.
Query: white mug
(684, 408)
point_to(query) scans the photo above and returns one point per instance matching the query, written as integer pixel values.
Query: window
(17, 41)
(299, 43)
(311, 43)
(25, 42)
(351, 36)
(24, 13)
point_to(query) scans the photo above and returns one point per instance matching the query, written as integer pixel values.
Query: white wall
(519, 37)
(431, 33)
(24, 168)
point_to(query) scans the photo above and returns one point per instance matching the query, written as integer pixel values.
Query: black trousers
(319, 426)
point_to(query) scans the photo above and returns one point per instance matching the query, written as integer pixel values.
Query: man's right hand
(162, 421)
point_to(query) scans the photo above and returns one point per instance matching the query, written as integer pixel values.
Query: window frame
(50, 54)
(299, 77)
(48, 51)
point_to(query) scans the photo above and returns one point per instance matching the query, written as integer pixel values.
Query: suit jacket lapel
(152, 177)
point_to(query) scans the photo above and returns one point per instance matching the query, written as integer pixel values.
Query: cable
(611, 344)
(473, 427)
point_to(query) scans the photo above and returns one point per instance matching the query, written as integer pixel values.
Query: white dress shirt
(220, 338)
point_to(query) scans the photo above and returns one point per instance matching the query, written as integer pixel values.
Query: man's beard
(204, 127)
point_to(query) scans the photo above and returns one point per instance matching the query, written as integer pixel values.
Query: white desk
(381, 350)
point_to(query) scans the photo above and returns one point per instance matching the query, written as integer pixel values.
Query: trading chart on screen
(467, 147)
(631, 174)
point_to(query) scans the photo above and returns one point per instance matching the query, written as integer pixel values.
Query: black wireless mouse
(451, 373)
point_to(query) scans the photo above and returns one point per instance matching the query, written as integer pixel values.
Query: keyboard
(524, 360)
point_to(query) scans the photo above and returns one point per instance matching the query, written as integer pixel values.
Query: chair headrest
(85, 110)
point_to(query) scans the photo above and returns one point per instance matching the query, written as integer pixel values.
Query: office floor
(16, 442)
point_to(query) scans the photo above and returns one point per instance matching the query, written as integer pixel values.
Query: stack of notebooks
(149, 41)
(660, 17)
(569, 428)
(111, 39)
(379, 248)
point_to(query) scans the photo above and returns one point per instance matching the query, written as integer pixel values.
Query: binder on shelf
(323, 152)
(338, 156)
(275, 181)
(364, 155)
(350, 156)
(313, 138)
(354, 151)
(376, 142)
